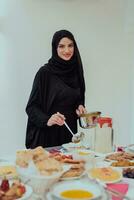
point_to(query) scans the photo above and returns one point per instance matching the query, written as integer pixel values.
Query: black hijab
(71, 71)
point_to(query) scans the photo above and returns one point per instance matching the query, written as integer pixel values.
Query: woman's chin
(66, 58)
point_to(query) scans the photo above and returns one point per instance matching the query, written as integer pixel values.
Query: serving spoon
(76, 137)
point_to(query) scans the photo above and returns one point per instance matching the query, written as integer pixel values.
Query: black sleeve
(81, 101)
(33, 109)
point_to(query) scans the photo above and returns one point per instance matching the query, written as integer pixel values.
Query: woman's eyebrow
(71, 43)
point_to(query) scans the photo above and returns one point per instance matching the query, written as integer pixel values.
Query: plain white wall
(103, 31)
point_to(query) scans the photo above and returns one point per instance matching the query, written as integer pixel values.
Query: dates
(4, 185)
(128, 173)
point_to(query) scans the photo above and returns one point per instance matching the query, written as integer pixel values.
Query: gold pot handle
(90, 114)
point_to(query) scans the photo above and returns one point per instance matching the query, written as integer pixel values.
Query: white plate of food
(122, 164)
(8, 169)
(72, 146)
(16, 190)
(116, 156)
(73, 174)
(76, 189)
(105, 174)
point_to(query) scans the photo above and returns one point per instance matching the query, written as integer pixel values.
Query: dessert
(106, 174)
(121, 156)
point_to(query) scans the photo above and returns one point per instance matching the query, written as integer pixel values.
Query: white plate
(76, 185)
(114, 181)
(8, 164)
(28, 192)
(50, 197)
(72, 146)
(112, 153)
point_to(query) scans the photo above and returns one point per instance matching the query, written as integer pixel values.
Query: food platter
(115, 156)
(121, 165)
(72, 146)
(120, 159)
(16, 190)
(105, 174)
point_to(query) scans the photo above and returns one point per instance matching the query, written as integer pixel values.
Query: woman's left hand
(80, 110)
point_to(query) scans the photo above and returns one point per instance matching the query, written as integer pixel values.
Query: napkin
(120, 187)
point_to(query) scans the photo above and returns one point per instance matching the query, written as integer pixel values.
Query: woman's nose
(66, 49)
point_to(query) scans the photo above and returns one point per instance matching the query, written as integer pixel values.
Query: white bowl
(83, 154)
(87, 186)
(39, 183)
(72, 146)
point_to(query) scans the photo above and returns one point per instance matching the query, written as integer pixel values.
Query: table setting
(107, 182)
(72, 171)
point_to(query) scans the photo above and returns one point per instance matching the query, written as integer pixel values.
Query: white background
(104, 31)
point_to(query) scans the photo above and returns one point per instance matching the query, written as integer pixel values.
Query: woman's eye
(71, 45)
(61, 46)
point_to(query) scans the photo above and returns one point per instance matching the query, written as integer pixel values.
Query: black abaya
(50, 95)
(58, 87)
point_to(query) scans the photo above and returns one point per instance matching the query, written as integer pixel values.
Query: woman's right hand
(56, 118)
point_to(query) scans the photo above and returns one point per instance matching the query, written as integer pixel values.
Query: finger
(60, 123)
(77, 112)
(61, 116)
(58, 120)
(82, 110)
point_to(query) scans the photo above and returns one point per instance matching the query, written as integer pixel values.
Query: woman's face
(65, 49)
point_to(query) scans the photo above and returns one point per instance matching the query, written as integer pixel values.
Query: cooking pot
(89, 120)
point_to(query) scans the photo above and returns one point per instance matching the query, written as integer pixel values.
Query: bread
(23, 158)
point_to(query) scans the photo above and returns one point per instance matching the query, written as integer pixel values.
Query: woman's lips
(67, 55)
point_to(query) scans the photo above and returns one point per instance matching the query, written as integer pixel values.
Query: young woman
(58, 95)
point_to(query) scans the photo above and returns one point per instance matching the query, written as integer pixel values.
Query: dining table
(101, 162)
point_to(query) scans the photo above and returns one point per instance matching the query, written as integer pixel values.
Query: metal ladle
(76, 137)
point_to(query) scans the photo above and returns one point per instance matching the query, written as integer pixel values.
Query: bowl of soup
(83, 154)
(76, 189)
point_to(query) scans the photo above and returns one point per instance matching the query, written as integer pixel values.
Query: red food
(67, 156)
(22, 188)
(4, 185)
